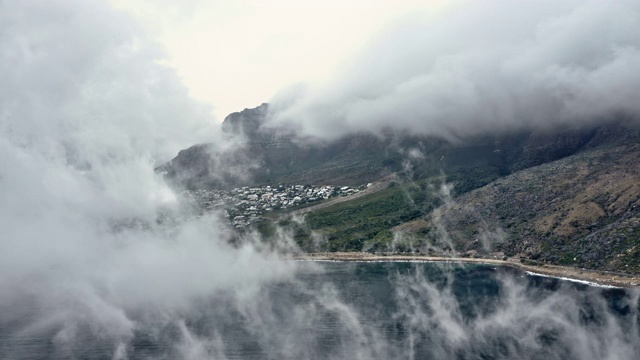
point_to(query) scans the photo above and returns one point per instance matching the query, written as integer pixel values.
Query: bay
(372, 310)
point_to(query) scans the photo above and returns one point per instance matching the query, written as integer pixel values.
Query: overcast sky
(441, 67)
(238, 54)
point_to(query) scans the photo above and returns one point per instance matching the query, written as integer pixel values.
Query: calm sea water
(347, 310)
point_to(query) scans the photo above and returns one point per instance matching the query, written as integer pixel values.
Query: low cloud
(471, 67)
(94, 243)
(90, 232)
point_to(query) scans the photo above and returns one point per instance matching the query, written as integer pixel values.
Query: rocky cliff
(275, 155)
(564, 196)
(582, 210)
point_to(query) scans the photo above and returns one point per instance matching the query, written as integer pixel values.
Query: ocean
(363, 310)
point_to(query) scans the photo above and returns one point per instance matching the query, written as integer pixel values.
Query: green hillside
(563, 195)
(363, 223)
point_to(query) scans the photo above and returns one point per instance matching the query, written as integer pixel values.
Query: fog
(471, 67)
(89, 231)
(97, 251)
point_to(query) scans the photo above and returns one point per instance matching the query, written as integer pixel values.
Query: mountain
(563, 196)
(275, 155)
(582, 210)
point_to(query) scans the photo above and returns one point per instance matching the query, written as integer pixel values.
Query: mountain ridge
(551, 196)
(270, 155)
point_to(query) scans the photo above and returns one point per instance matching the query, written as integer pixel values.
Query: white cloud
(483, 66)
(237, 54)
(89, 230)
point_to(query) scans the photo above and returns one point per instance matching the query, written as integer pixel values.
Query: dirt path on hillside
(377, 186)
(571, 273)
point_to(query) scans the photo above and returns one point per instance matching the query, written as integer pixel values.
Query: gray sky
(238, 54)
(444, 67)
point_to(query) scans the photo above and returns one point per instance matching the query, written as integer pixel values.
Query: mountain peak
(246, 121)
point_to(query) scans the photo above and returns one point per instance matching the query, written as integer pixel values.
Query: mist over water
(100, 258)
(91, 234)
(372, 311)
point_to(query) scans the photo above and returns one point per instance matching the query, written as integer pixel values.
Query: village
(243, 206)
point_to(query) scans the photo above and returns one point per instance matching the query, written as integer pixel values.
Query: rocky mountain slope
(564, 196)
(272, 156)
(582, 210)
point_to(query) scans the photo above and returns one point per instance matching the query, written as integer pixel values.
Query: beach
(595, 277)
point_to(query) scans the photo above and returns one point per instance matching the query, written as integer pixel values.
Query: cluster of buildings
(246, 204)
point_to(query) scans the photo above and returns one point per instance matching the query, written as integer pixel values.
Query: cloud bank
(473, 67)
(92, 238)
(90, 232)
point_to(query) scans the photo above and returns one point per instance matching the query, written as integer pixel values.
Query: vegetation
(360, 224)
(583, 211)
(564, 196)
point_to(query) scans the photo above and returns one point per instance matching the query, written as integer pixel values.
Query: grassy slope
(583, 210)
(360, 224)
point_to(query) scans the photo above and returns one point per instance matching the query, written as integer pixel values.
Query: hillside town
(245, 205)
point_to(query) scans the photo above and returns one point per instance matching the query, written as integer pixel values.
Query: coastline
(594, 277)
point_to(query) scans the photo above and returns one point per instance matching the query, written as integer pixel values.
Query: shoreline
(593, 277)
